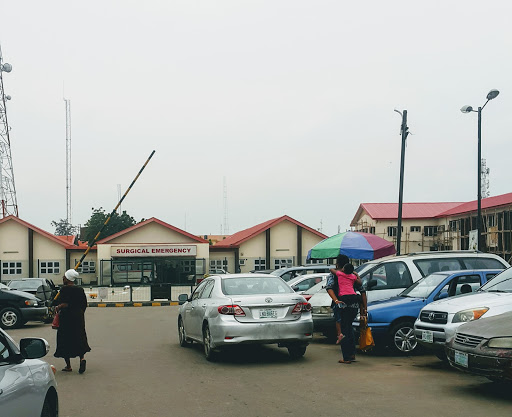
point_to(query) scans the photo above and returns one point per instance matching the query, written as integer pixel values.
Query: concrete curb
(135, 304)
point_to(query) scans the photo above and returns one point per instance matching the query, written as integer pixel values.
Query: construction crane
(9, 203)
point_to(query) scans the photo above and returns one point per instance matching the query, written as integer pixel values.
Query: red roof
(383, 211)
(66, 241)
(238, 238)
(489, 202)
(145, 222)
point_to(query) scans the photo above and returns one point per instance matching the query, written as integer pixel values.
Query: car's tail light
(233, 310)
(300, 307)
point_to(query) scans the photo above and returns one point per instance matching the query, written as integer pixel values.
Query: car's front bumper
(498, 367)
(231, 332)
(34, 313)
(440, 334)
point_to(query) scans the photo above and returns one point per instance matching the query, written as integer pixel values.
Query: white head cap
(71, 274)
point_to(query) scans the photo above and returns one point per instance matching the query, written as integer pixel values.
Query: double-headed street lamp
(467, 109)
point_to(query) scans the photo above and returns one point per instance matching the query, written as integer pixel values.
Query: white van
(143, 272)
(386, 277)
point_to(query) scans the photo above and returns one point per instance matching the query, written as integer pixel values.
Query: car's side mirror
(182, 299)
(442, 295)
(33, 347)
(295, 288)
(372, 283)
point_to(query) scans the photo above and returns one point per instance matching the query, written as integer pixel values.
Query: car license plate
(268, 313)
(427, 336)
(461, 359)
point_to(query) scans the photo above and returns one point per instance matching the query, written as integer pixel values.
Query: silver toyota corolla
(245, 309)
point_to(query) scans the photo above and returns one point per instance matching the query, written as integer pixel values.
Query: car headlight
(469, 315)
(500, 342)
(31, 303)
(322, 310)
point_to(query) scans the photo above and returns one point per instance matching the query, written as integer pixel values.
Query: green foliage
(63, 228)
(116, 224)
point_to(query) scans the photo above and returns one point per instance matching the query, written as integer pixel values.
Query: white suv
(439, 320)
(386, 277)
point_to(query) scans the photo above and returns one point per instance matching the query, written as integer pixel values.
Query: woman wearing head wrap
(71, 303)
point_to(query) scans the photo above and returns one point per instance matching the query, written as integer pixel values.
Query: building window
(454, 225)
(218, 264)
(283, 263)
(415, 228)
(87, 267)
(188, 266)
(392, 230)
(11, 268)
(315, 261)
(241, 262)
(49, 267)
(430, 230)
(372, 230)
(491, 221)
(260, 264)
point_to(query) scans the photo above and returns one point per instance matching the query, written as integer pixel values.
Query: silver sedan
(237, 309)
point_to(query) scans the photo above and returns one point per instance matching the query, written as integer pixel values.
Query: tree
(116, 224)
(63, 228)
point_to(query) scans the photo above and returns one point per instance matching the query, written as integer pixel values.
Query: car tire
(145, 280)
(209, 353)
(49, 407)
(10, 318)
(181, 334)
(402, 338)
(296, 352)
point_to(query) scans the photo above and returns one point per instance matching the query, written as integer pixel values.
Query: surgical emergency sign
(154, 250)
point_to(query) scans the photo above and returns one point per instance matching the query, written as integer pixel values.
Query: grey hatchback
(235, 309)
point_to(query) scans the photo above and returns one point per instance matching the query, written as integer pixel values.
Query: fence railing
(136, 293)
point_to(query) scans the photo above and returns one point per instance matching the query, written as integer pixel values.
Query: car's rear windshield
(25, 285)
(254, 286)
(500, 283)
(430, 265)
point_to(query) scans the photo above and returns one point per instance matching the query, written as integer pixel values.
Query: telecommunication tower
(226, 224)
(7, 188)
(484, 174)
(68, 159)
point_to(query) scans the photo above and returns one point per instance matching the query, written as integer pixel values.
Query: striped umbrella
(355, 245)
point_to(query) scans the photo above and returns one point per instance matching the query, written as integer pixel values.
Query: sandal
(340, 338)
(343, 361)
(66, 369)
(82, 366)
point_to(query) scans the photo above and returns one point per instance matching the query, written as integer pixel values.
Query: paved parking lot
(137, 368)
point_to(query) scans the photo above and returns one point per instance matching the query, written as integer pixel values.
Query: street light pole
(468, 109)
(404, 132)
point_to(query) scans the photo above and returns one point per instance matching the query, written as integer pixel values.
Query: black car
(42, 288)
(483, 347)
(18, 307)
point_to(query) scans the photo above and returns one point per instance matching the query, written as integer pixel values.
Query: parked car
(303, 283)
(483, 347)
(42, 288)
(387, 277)
(27, 384)
(18, 307)
(233, 309)
(439, 320)
(137, 272)
(314, 289)
(4, 287)
(291, 272)
(392, 320)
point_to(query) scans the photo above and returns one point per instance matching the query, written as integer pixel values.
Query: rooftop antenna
(226, 224)
(8, 198)
(67, 104)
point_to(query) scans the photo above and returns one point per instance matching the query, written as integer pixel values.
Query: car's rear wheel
(181, 333)
(10, 318)
(402, 338)
(296, 352)
(209, 353)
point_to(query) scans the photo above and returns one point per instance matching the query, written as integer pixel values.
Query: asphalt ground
(137, 368)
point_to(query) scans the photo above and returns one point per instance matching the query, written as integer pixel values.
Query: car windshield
(254, 286)
(24, 285)
(364, 267)
(500, 283)
(424, 287)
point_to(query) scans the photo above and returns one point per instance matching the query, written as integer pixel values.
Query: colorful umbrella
(356, 245)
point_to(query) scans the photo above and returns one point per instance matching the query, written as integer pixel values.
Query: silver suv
(387, 277)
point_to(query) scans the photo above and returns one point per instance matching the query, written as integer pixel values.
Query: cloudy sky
(291, 101)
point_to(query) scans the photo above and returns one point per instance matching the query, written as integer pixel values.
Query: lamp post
(404, 130)
(468, 109)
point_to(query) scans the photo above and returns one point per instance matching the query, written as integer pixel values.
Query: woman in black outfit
(71, 303)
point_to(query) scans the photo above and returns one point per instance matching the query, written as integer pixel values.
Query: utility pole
(404, 132)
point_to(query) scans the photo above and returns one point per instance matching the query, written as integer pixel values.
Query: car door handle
(203, 305)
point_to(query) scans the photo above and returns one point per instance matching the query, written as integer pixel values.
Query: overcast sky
(290, 100)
